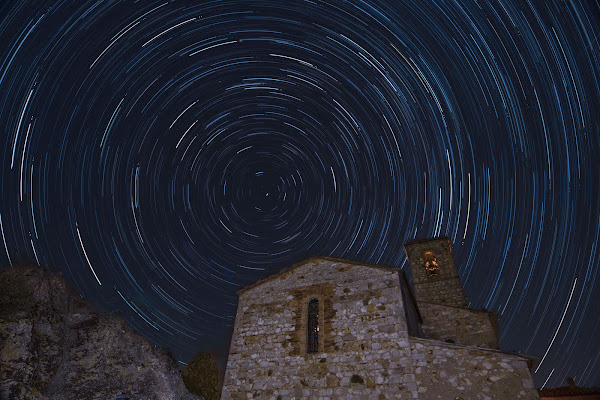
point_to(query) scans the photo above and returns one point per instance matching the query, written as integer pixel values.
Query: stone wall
(441, 291)
(459, 325)
(446, 371)
(363, 343)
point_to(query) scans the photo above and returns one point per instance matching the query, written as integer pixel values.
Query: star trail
(164, 154)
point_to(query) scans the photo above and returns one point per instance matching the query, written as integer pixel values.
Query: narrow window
(312, 340)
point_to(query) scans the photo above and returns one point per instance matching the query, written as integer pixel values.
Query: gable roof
(312, 259)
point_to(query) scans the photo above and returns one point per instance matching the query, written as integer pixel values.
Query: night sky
(164, 154)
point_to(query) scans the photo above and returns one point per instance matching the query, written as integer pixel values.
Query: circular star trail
(164, 154)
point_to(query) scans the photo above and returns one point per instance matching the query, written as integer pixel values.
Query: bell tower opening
(431, 265)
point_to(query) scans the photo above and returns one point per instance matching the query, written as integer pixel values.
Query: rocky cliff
(53, 345)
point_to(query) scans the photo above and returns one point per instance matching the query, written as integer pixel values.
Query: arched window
(312, 338)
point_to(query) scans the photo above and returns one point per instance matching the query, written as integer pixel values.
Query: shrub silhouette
(201, 376)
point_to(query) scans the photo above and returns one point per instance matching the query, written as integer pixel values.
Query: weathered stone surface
(447, 371)
(54, 346)
(458, 325)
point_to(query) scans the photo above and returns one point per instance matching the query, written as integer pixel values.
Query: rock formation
(53, 345)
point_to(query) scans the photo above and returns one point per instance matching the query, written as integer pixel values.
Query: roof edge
(314, 258)
(425, 240)
(528, 359)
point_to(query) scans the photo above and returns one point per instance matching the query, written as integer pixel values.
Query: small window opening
(431, 265)
(312, 340)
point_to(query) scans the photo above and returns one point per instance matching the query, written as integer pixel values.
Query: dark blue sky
(164, 154)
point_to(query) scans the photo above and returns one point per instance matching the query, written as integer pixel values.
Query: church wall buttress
(447, 371)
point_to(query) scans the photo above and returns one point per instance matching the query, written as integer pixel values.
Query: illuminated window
(312, 339)
(431, 265)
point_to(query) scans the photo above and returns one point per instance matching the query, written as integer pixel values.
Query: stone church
(336, 329)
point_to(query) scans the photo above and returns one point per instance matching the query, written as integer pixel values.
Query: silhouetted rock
(53, 345)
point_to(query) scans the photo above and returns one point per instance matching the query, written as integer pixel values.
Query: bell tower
(435, 279)
(440, 298)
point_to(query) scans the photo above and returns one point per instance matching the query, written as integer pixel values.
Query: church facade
(337, 329)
